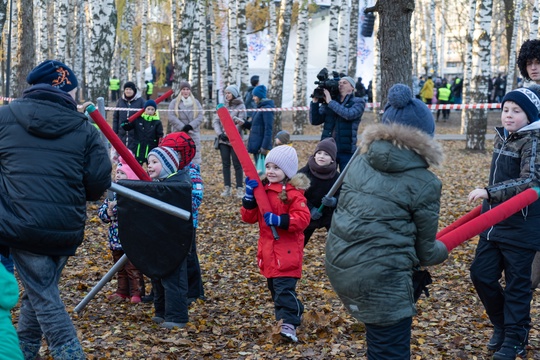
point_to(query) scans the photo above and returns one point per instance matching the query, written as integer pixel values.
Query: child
(171, 292)
(148, 131)
(129, 278)
(321, 170)
(283, 138)
(385, 223)
(185, 146)
(510, 245)
(281, 261)
(9, 295)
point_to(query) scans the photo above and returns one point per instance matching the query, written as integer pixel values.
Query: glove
(187, 128)
(272, 219)
(223, 137)
(125, 125)
(250, 185)
(264, 151)
(329, 201)
(315, 214)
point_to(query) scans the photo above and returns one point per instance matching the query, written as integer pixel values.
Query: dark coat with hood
(260, 136)
(385, 224)
(120, 116)
(52, 161)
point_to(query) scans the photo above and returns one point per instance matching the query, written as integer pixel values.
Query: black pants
(287, 306)
(509, 307)
(227, 153)
(194, 277)
(391, 342)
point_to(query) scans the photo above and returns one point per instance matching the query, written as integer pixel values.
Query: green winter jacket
(385, 224)
(9, 295)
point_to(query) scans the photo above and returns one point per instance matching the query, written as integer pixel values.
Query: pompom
(399, 96)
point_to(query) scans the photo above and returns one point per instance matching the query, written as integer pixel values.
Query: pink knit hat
(124, 167)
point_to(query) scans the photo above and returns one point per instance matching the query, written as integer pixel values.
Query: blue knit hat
(150, 103)
(528, 99)
(403, 109)
(54, 73)
(168, 158)
(260, 92)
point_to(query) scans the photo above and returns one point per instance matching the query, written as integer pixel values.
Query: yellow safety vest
(149, 88)
(444, 93)
(114, 84)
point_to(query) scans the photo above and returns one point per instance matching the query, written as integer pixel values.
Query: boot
(497, 339)
(226, 192)
(510, 348)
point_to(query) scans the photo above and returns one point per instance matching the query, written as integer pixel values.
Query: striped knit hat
(168, 158)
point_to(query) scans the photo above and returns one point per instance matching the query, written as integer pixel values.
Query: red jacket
(283, 257)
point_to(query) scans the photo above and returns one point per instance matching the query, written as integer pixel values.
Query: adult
(114, 87)
(235, 105)
(457, 90)
(341, 118)
(53, 156)
(186, 114)
(248, 97)
(499, 88)
(427, 91)
(130, 102)
(360, 89)
(149, 89)
(444, 95)
(261, 126)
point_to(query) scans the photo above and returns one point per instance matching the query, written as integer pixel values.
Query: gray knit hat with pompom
(403, 109)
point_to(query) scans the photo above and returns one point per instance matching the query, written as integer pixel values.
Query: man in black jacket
(52, 162)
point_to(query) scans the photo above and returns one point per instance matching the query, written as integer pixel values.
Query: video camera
(324, 82)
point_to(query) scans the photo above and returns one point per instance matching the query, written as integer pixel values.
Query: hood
(235, 102)
(299, 181)
(45, 118)
(396, 148)
(266, 103)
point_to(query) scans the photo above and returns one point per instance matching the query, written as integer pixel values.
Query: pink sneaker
(135, 299)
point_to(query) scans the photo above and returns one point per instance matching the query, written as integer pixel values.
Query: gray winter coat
(385, 224)
(188, 116)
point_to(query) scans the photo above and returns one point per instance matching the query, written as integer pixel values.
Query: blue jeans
(343, 159)
(42, 310)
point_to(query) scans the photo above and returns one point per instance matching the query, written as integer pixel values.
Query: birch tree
(533, 32)
(300, 75)
(182, 45)
(278, 70)
(129, 16)
(61, 29)
(271, 36)
(467, 69)
(394, 35)
(14, 68)
(217, 48)
(243, 60)
(433, 47)
(481, 69)
(343, 42)
(442, 38)
(42, 31)
(143, 58)
(78, 62)
(353, 38)
(26, 49)
(3, 16)
(333, 35)
(195, 61)
(103, 36)
(233, 46)
(511, 75)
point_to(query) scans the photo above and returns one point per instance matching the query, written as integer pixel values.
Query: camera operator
(340, 117)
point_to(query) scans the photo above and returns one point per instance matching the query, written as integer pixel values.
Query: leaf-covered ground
(237, 321)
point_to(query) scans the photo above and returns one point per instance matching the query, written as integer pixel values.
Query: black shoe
(147, 298)
(497, 339)
(510, 349)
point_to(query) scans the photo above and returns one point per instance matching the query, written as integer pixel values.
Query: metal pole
(143, 199)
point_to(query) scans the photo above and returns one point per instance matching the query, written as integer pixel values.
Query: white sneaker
(227, 191)
(289, 332)
(240, 192)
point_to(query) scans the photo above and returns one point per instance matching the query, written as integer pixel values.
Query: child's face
(322, 158)
(513, 117)
(256, 99)
(533, 69)
(273, 173)
(154, 167)
(185, 92)
(150, 110)
(120, 175)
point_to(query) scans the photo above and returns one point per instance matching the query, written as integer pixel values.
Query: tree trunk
(217, 51)
(343, 40)
(333, 35)
(433, 48)
(183, 44)
(533, 31)
(43, 32)
(278, 71)
(143, 58)
(195, 60)
(233, 46)
(481, 70)
(467, 70)
(15, 38)
(102, 40)
(26, 50)
(271, 36)
(511, 75)
(353, 39)
(243, 60)
(395, 41)
(300, 76)
(61, 29)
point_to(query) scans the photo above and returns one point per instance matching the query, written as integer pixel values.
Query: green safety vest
(149, 88)
(444, 93)
(114, 84)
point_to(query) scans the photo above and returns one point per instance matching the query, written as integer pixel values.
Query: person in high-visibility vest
(443, 95)
(149, 89)
(114, 87)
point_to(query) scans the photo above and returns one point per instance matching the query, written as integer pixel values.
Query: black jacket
(314, 194)
(121, 116)
(52, 161)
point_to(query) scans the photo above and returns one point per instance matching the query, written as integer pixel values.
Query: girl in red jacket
(280, 261)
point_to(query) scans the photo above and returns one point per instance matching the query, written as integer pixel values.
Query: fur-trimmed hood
(404, 138)
(299, 181)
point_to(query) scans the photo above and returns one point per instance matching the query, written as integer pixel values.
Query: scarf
(322, 172)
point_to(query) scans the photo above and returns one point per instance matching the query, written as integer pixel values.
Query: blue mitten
(271, 219)
(251, 184)
(329, 201)
(315, 214)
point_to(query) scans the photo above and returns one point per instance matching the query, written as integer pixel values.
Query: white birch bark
(511, 75)
(275, 91)
(129, 13)
(78, 61)
(182, 46)
(121, 51)
(243, 60)
(481, 71)
(143, 58)
(272, 31)
(533, 32)
(415, 40)
(42, 31)
(203, 53)
(195, 55)
(101, 47)
(61, 9)
(233, 45)
(343, 42)
(433, 47)
(14, 47)
(426, 54)
(376, 81)
(333, 35)
(219, 63)
(467, 70)
(300, 75)
(353, 38)
(442, 37)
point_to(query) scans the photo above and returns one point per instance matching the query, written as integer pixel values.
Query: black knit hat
(527, 99)
(54, 73)
(329, 146)
(132, 86)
